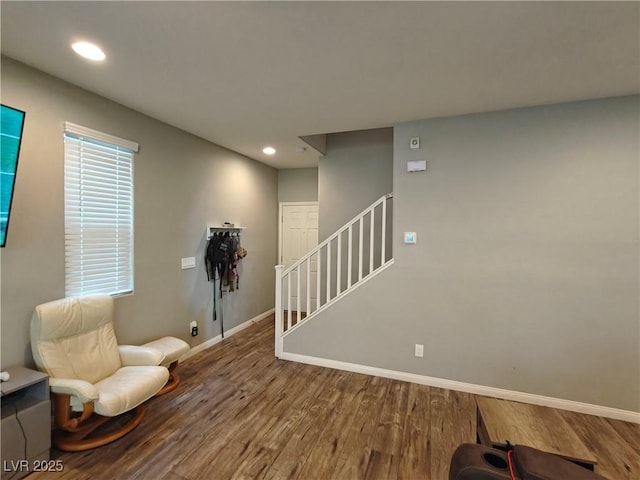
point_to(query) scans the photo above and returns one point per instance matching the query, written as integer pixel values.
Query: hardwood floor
(589, 439)
(240, 413)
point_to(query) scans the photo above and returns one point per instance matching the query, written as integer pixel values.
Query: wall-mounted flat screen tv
(11, 123)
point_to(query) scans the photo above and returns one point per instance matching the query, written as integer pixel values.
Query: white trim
(103, 137)
(559, 403)
(278, 309)
(249, 322)
(339, 297)
(201, 347)
(218, 338)
(281, 219)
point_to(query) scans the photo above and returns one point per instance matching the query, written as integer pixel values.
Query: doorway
(298, 234)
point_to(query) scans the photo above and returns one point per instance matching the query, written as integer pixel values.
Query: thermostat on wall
(410, 237)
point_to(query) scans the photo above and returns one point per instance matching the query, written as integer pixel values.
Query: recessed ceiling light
(88, 50)
(268, 150)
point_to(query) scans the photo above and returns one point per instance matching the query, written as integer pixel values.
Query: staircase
(350, 257)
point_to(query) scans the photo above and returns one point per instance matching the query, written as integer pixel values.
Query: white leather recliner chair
(92, 378)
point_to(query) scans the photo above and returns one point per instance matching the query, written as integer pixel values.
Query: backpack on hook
(215, 264)
(215, 256)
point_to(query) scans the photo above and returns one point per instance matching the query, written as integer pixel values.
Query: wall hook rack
(234, 231)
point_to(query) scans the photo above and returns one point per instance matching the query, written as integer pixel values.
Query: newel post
(279, 312)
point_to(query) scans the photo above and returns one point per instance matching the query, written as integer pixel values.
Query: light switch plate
(188, 262)
(414, 143)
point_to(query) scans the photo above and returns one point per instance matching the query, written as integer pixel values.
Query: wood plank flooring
(612, 445)
(550, 434)
(240, 413)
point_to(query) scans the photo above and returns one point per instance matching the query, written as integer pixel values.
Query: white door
(299, 235)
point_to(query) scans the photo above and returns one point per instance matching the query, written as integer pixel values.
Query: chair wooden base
(73, 433)
(173, 382)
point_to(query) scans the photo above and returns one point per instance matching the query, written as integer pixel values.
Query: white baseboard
(218, 338)
(559, 403)
(249, 322)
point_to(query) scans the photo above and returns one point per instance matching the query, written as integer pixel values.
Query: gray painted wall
(298, 185)
(182, 183)
(356, 170)
(525, 274)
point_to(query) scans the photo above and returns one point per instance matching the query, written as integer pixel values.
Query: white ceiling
(249, 74)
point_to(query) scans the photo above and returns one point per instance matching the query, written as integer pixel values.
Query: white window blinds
(98, 212)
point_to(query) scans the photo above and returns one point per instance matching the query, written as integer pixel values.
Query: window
(98, 212)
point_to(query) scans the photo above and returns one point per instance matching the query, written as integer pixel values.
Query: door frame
(281, 221)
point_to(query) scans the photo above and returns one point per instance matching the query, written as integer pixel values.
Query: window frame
(107, 227)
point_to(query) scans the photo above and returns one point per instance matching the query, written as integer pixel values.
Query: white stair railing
(351, 256)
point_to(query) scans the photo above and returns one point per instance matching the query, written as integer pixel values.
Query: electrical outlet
(194, 328)
(419, 351)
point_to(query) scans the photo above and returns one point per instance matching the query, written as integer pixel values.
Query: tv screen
(11, 123)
